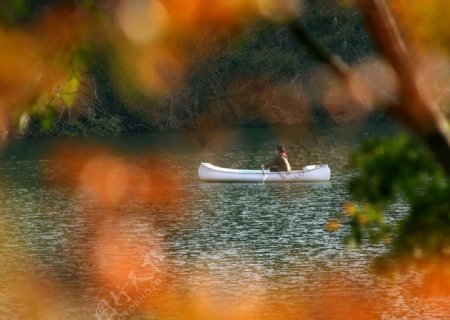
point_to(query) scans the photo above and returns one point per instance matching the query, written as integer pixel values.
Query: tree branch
(339, 67)
(415, 108)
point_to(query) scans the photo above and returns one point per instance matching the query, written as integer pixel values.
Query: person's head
(280, 149)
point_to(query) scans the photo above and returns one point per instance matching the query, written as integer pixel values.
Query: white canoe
(209, 172)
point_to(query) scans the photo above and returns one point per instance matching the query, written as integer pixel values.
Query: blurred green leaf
(400, 169)
(13, 11)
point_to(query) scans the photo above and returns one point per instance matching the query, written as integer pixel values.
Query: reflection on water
(225, 239)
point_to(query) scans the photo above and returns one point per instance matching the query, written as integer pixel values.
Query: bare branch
(334, 61)
(414, 107)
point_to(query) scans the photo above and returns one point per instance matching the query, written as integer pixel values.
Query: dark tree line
(260, 77)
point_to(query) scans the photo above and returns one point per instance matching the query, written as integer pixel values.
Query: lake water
(65, 254)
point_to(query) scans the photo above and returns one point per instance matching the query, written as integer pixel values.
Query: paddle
(264, 174)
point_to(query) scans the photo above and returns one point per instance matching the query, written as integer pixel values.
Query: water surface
(227, 239)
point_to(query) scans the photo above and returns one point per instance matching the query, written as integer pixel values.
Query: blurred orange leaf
(112, 181)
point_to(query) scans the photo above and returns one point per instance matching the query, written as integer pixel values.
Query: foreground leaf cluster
(396, 169)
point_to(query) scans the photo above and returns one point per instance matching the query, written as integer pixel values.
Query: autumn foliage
(46, 63)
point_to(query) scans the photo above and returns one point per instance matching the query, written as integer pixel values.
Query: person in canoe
(280, 162)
